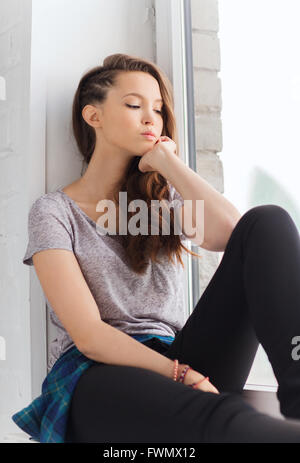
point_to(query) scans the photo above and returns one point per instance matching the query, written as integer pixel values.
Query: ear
(92, 115)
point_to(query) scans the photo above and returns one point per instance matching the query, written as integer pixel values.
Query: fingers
(164, 138)
(211, 387)
(208, 387)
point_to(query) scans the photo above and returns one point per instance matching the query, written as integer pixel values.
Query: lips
(148, 133)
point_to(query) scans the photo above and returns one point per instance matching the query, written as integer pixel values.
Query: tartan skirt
(45, 418)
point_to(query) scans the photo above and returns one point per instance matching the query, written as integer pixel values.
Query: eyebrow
(141, 96)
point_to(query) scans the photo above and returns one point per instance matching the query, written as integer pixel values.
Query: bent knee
(267, 210)
(269, 215)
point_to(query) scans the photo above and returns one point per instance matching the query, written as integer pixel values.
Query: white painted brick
(205, 15)
(11, 14)
(8, 249)
(2, 88)
(11, 176)
(15, 96)
(2, 348)
(208, 128)
(5, 40)
(207, 91)
(206, 51)
(10, 298)
(208, 106)
(210, 167)
(10, 46)
(207, 267)
(10, 213)
(4, 130)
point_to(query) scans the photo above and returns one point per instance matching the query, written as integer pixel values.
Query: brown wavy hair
(92, 88)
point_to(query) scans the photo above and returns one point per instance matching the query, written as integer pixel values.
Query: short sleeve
(178, 202)
(48, 228)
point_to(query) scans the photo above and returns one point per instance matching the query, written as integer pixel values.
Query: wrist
(167, 162)
(180, 369)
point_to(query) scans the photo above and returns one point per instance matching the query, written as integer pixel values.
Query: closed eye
(132, 106)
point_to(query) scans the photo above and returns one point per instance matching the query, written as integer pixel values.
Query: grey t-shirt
(152, 303)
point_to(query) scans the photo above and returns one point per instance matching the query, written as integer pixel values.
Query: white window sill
(260, 387)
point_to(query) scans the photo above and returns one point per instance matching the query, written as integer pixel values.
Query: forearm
(109, 345)
(220, 216)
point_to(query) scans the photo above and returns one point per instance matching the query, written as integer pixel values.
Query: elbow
(217, 236)
(86, 351)
(231, 224)
(93, 342)
(83, 348)
(234, 220)
(219, 242)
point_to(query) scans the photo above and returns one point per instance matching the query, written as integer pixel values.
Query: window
(260, 75)
(260, 91)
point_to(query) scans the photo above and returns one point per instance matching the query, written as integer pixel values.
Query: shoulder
(49, 205)
(49, 226)
(48, 201)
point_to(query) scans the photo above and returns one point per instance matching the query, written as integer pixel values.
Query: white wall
(85, 33)
(49, 42)
(15, 367)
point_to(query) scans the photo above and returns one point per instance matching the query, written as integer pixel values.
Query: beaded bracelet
(175, 369)
(184, 371)
(182, 376)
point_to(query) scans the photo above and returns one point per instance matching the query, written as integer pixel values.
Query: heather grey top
(136, 304)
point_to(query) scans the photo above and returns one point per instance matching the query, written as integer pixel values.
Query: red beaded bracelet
(184, 371)
(182, 376)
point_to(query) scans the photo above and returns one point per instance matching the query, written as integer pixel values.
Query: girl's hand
(193, 376)
(152, 159)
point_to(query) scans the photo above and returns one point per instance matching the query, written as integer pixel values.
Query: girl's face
(124, 117)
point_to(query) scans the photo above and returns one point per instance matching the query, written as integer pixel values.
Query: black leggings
(253, 297)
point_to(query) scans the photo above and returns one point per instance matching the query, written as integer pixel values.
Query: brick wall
(15, 367)
(208, 105)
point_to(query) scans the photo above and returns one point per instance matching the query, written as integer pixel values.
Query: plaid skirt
(45, 418)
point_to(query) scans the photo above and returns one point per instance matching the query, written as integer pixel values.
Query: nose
(148, 117)
(148, 120)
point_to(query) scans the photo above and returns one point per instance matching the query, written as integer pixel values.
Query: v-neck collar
(78, 208)
(84, 214)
